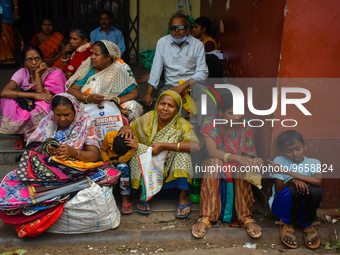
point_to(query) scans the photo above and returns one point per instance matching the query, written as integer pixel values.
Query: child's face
(294, 152)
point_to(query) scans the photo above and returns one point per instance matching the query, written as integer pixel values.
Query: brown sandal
(310, 237)
(285, 230)
(252, 230)
(207, 222)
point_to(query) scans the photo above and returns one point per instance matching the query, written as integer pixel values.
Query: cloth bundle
(33, 196)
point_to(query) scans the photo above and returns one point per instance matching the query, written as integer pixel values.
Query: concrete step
(5, 169)
(8, 155)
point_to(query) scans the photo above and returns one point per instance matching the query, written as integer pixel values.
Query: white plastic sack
(108, 119)
(152, 168)
(92, 210)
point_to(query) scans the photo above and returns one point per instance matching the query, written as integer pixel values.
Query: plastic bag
(108, 119)
(92, 210)
(152, 168)
(254, 178)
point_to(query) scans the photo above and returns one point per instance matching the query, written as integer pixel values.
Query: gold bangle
(16, 7)
(78, 155)
(82, 155)
(226, 156)
(86, 99)
(178, 145)
(17, 94)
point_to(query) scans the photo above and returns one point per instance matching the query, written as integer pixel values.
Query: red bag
(38, 226)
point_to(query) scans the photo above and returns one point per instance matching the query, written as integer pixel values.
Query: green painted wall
(154, 17)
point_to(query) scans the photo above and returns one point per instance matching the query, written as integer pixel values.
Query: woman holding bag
(27, 96)
(164, 129)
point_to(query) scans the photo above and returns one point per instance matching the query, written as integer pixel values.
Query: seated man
(182, 57)
(107, 32)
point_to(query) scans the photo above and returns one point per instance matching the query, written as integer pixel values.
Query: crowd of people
(45, 100)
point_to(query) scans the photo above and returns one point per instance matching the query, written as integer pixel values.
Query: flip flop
(206, 221)
(20, 145)
(125, 206)
(145, 204)
(310, 237)
(285, 230)
(181, 208)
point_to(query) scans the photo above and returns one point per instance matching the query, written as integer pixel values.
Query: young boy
(117, 150)
(297, 190)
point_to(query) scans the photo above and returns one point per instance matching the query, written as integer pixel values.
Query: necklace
(31, 76)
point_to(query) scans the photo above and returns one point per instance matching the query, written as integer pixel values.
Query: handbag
(27, 104)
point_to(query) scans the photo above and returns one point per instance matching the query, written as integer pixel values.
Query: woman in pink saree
(27, 96)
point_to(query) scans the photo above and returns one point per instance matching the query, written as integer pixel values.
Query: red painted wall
(287, 39)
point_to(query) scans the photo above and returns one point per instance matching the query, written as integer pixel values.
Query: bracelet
(178, 145)
(78, 155)
(86, 99)
(82, 155)
(225, 157)
(17, 93)
(64, 60)
(15, 7)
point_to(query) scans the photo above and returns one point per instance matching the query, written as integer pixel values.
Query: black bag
(27, 104)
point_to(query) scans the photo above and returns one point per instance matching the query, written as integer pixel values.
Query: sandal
(285, 230)
(181, 208)
(125, 209)
(19, 145)
(203, 231)
(145, 204)
(310, 237)
(249, 231)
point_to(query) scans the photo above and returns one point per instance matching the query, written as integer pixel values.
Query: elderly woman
(27, 97)
(105, 76)
(72, 127)
(164, 129)
(50, 42)
(227, 145)
(81, 49)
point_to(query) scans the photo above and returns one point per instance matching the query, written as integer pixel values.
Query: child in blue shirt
(297, 190)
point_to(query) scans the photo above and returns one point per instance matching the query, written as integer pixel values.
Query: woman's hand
(244, 160)
(65, 152)
(157, 148)
(43, 66)
(66, 49)
(127, 132)
(52, 150)
(95, 99)
(132, 143)
(43, 96)
(301, 186)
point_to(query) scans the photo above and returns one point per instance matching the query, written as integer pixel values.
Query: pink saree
(16, 120)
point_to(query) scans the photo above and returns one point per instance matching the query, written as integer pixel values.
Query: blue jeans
(125, 186)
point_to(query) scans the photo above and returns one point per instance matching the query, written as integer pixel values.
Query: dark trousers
(292, 207)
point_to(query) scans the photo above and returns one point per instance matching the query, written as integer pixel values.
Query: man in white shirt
(181, 56)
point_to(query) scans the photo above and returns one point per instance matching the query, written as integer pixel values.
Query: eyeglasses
(30, 60)
(180, 27)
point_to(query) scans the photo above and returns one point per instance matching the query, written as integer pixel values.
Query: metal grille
(67, 14)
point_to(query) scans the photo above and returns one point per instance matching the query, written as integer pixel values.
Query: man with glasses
(182, 57)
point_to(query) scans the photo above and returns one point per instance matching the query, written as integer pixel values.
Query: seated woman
(80, 47)
(227, 144)
(202, 30)
(36, 82)
(105, 76)
(164, 129)
(50, 42)
(72, 127)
